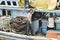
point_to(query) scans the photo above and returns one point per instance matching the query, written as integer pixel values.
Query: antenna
(26, 3)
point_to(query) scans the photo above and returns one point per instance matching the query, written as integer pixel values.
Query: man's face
(31, 12)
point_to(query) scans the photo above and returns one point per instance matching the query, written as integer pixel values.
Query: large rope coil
(18, 23)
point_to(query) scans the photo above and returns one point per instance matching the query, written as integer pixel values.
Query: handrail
(23, 8)
(14, 35)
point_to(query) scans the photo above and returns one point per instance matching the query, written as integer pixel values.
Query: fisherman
(29, 24)
(51, 22)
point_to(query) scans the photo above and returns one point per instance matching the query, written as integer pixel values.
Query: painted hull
(22, 37)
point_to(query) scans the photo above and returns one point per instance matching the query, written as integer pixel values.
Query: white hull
(22, 37)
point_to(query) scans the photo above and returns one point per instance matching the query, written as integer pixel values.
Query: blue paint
(0, 12)
(57, 14)
(57, 26)
(18, 13)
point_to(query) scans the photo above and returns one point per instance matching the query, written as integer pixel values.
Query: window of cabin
(6, 12)
(9, 12)
(3, 12)
(14, 3)
(3, 3)
(8, 2)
